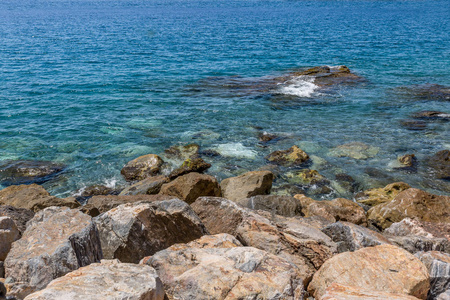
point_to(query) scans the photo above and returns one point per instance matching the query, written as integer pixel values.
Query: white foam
(301, 86)
(235, 150)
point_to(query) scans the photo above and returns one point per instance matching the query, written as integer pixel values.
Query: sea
(93, 84)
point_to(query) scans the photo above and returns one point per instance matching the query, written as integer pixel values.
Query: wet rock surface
(373, 197)
(294, 156)
(14, 172)
(182, 152)
(109, 279)
(440, 164)
(190, 165)
(355, 150)
(142, 167)
(247, 185)
(149, 186)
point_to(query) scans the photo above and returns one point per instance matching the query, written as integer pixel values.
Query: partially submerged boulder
(8, 234)
(412, 203)
(191, 186)
(132, 231)
(33, 197)
(247, 185)
(438, 265)
(150, 186)
(190, 165)
(192, 272)
(14, 172)
(109, 279)
(377, 196)
(20, 216)
(440, 164)
(280, 205)
(383, 268)
(57, 241)
(355, 150)
(294, 156)
(330, 75)
(182, 152)
(142, 167)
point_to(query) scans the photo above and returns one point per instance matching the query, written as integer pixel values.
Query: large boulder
(351, 237)
(290, 238)
(247, 185)
(440, 163)
(33, 197)
(325, 76)
(132, 231)
(343, 292)
(150, 186)
(377, 196)
(339, 209)
(142, 167)
(355, 150)
(280, 205)
(214, 272)
(109, 279)
(20, 216)
(294, 156)
(105, 203)
(438, 265)
(8, 234)
(412, 203)
(13, 172)
(383, 268)
(57, 241)
(191, 186)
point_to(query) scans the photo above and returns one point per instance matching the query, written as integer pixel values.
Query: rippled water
(94, 84)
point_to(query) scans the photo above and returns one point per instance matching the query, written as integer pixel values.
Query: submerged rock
(378, 196)
(149, 186)
(20, 216)
(247, 185)
(438, 265)
(214, 272)
(413, 124)
(109, 279)
(57, 241)
(14, 172)
(408, 162)
(142, 167)
(440, 163)
(383, 268)
(294, 156)
(33, 197)
(132, 231)
(183, 152)
(327, 76)
(431, 115)
(8, 234)
(431, 92)
(356, 150)
(190, 165)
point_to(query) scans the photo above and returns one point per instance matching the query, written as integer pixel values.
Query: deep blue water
(94, 84)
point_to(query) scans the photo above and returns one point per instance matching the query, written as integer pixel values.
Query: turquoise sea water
(94, 84)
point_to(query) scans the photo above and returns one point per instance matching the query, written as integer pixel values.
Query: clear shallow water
(94, 84)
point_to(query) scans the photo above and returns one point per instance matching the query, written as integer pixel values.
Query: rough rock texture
(412, 203)
(190, 165)
(142, 167)
(247, 185)
(57, 240)
(109, 279)
(444, 296)
(383, 268)
(330, 75)
(150, 186)
(33, 197)
(280, 205)
(294, 156)
(132, 231)
(191, 186)
(28, 171)
(440, 163)
(356, 150)
(105, 203)
(342, 292)
(374, 197)
(290, 238)
(192, 272)
(351, 237)
(438, 265)
(307, 177)
(339, 209)
(20, 216)
(8, 234)
(96, 190)
(408, 160)
(182, 152)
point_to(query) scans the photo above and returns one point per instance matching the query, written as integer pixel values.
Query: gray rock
(8, 234)
(281, 205)
(105, 203)
(438, 265)
(57, 240)
(444, 296)
(20, 215)
(132, 231)
(150, 186)
(109, 279)
(13, 172)
(352, 237)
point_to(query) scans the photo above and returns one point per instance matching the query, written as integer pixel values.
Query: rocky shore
(177, 233)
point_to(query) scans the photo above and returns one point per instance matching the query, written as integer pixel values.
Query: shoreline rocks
(16, 172)
(247, 185)
(142, 167)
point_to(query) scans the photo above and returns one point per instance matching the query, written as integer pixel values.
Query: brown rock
(8, 234)
(247, 185)
(191, 186)
(408, 160)
(20, 216)
(142, 167)
(281, 205)
(33, 197)
(190, 165)
(343, 292)
(150, 186)
(182, 152)
(329, 76)
(374, 197)
(383, 268)
(190, 272)
(412, 203)
(132, 231)
(14, 172)
(95, 190)
(440, 163)
(294, 156)
(105, 203)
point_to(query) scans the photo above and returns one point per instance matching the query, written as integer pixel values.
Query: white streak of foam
(301, 86)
